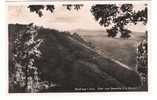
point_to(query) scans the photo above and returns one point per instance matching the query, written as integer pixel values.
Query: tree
(39, 8)
(25, 55)
(142, 61)
(26, 51)
(118, 16)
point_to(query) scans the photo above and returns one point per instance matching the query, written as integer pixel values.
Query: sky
(62, 19)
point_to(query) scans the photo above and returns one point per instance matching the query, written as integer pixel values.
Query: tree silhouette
(118, 16)
(39, 8)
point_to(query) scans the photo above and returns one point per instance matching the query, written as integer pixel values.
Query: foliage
(104, 13)
(39, 8)
(73, 6)
(25, 56)
(142, 57)
(118, 16)
(141, 15)
(142, 61)
(68, 61)
(112, 32)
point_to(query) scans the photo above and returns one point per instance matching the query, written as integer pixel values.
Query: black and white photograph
(82, 47)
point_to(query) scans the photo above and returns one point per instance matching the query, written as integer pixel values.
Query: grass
(69, 62)
(123, 50)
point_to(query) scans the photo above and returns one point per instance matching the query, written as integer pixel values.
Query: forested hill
(70, 62)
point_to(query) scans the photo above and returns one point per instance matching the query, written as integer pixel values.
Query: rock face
(71, 63)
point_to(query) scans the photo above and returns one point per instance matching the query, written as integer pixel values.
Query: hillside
(123, 50)
(68, 61)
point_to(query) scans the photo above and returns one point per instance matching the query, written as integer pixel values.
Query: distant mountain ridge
(89, 32)
(99, 32)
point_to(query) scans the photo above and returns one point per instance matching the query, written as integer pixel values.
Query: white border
(77, 96)
(80, 2)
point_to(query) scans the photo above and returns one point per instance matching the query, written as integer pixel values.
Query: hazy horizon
(62, 19)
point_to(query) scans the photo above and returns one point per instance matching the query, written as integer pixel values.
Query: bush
(142, 62)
